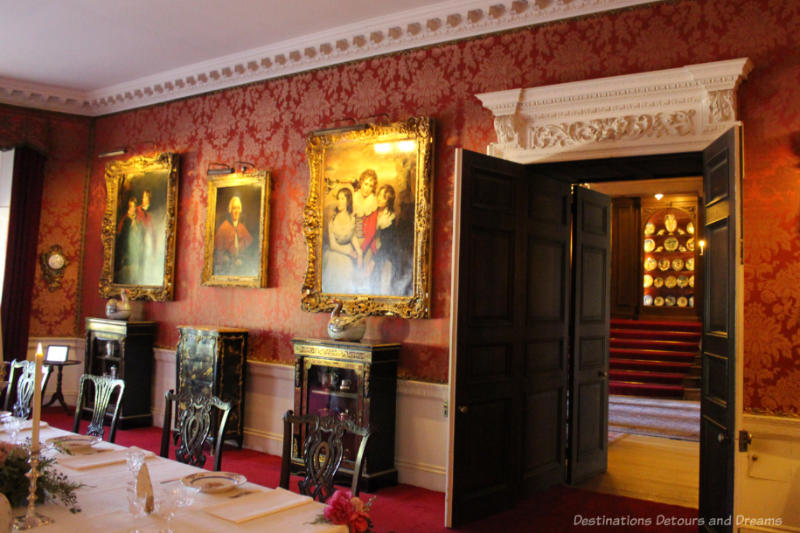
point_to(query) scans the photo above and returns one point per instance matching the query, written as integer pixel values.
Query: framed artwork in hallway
(138, 228)
(237, 230)
(367, 220)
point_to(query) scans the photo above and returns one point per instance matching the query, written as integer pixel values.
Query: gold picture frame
(371, 195)
(237, 230)
(138, 230)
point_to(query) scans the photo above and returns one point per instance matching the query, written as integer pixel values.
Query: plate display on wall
(649, 228)
(691, 281)
(670, 282)
(683, 281)
(670, 222)
(677, 264)
(690, 228)
(671, 244)
(669, 301)
(664, 264)
(649, 245)
(658, 282)
(659, 301)
(648, 300)
(650, 264)
(648, 280)
(683, 301)
(690, 244)
(691, 301)
(690, 263)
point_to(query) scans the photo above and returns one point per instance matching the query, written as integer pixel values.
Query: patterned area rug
(674, 419)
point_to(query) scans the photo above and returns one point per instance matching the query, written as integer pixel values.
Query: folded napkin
(27, 425)
(256, 505)
(85, 462)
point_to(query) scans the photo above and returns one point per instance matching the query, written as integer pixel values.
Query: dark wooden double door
(531, 315)
(532, 333)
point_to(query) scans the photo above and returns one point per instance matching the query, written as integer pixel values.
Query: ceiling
(95, 57)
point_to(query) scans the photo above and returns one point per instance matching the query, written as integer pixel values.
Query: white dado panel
(675, 110)
(421, 427)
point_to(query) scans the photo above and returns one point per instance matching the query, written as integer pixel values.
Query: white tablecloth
(104, 503)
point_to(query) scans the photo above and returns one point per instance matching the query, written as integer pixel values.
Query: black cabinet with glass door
(356, 381)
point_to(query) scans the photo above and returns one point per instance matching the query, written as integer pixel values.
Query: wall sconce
(219, 169)
(702, 244)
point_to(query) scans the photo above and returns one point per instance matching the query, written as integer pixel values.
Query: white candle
(37, 399)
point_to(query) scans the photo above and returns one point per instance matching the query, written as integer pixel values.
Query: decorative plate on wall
(649, 245)
(664, 264)
(690, 263)
(659, 301)
(682, 301)
(669, 301)
(690, 228)
(650, 264)
(690, 244)
(649, 228)
(670, 282)
(658, 282)
(671, 244)
(648, 280)
(648, 300)
(683, 281)
(677, 264)
(691, 281)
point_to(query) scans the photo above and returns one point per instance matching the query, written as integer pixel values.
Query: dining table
(103, 499)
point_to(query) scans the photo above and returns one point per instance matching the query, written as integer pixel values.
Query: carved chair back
(105, 390)
(193, 427)
(322, 454)
(20, 387)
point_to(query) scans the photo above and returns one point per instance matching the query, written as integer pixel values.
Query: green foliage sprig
(50, 483)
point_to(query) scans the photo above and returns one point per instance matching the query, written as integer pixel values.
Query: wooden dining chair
(104, 396)
(20, 387)
(323, 451)
(192, 431)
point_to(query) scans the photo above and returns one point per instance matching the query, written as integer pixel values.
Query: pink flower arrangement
(344, 509)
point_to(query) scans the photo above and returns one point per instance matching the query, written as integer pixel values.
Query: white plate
(74, 443)
(214, 481)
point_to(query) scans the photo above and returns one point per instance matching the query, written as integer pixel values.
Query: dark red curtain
(23, 235)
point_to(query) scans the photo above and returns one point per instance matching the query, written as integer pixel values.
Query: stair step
(646, 364)
(621, 333)
(677, 325)
(666, 355)
(647, 376)
(649, 389)
(656, 344)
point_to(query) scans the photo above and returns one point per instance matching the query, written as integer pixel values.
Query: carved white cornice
(674, 110)
(440, 22)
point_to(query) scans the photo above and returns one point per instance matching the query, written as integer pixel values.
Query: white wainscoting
(770, 489)
(421, 434)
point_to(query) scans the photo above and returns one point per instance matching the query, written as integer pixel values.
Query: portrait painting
(139, 227)
(237, 228)
(368, 222)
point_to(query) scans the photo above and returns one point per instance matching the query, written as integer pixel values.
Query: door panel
(510, 369)
(717, 403)
(588, 407)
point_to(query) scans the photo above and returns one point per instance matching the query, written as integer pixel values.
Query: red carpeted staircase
(654, 357)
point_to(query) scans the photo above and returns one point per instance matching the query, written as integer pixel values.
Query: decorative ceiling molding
(675, 110)
(441, 22)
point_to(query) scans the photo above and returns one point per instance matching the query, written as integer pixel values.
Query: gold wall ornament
(237, 230)
(368, 219)
(138, 229)
(53, 263)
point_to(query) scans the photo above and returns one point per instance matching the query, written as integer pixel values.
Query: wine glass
(13, 425)
(135, 460)
(135, 502)
(168, 502)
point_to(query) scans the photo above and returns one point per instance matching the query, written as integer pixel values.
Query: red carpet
(652, 357)
(407, 509)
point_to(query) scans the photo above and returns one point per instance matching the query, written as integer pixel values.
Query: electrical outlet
(445, 410)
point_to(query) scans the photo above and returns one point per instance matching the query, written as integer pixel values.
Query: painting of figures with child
(371, 194)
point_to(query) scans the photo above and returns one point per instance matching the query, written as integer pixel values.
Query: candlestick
(37, 399)
(31, 518)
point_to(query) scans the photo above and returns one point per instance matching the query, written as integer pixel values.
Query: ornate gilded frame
(253, 189)
(401, 155)
(146, 271)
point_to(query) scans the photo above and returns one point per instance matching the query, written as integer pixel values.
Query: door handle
(721, 437)
(602, 374)
(463, 409)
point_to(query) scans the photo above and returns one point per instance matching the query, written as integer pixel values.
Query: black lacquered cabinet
(356, 381)
(124, 349)
(213, 361)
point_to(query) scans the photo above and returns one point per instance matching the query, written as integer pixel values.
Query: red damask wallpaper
(65, 140)
(266, 123)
